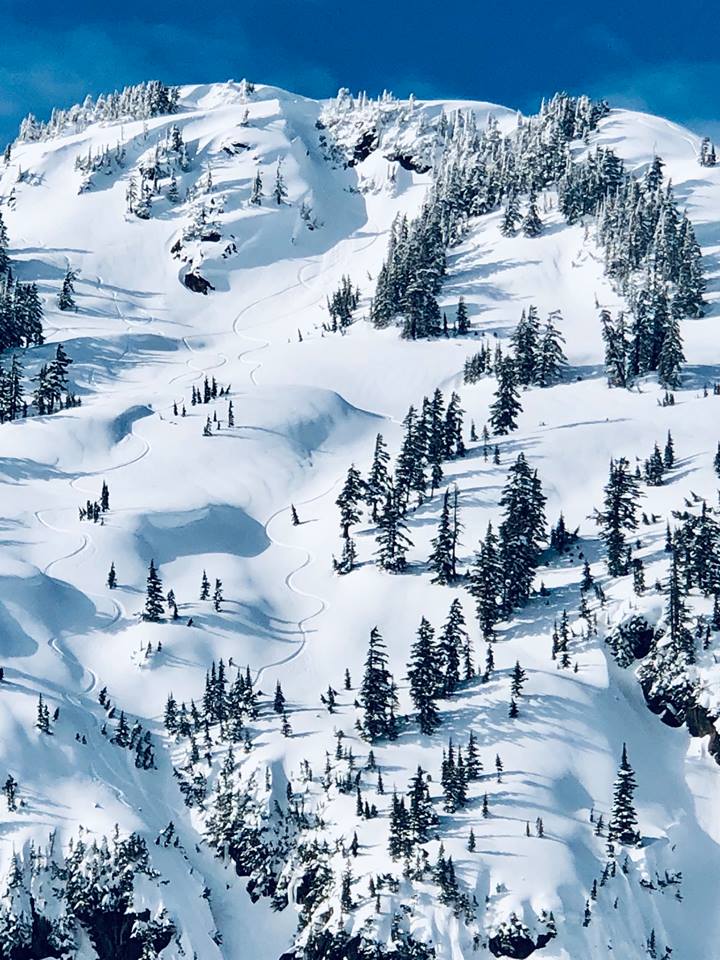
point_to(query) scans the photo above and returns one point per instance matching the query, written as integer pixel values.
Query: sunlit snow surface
(303, 412)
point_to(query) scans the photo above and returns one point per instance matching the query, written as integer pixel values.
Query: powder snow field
(304, 410)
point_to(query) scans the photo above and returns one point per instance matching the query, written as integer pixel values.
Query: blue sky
(655, 56)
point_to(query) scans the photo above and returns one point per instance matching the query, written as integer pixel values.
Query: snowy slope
(304, 410)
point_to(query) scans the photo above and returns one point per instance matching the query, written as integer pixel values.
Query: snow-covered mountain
(221, 402)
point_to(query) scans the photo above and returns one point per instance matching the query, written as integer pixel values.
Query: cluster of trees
(438, 667)
(538, 358)
(94, 509)
(139, 102)
(160, 170)
(433, 435)
(477, 170)
(210, 391)
(658, 463)
(53, 898)
(104, 160)
(343, 304)
(52, 391)
(225, 706)
(411, 277)
(21, 312)
(652, 254)
(537, 349)
(669, 652)
(649, 245)
(134, 738)
(502, 575)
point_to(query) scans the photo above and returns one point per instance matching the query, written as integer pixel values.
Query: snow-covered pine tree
(506, 406)
(532, 225)
(453, 648)
(425, 677)
(551, 362)
(485, 584)
(622, 827)
(279, 190)
(377, 692)
(443, 557)
(256, 194)
(619, 514)
(521, 532)
(154, 608)
(392, 539)
(378, 481)
(348, 500)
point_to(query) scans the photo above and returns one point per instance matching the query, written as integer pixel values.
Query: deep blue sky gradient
(654, 56)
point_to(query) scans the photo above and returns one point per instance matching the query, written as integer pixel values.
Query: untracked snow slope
(307, 403)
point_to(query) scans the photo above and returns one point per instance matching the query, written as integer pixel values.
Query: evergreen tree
(377, 692)
(10, 790)
(671, 355)
(256, 194)
(517, 681)
(551, 361)
(399, 842)
(618, 515)
(462, 323)
(623, 818)
(218, 596)
(526, 345)
(204, 587)
(349, 499)
(669, 453)
(280, 190)
(453, 645)
(425, 678)
(486, 584)
(420, 812)
(443, 557)
(521, 530)
(66, 297)
(617, 361)
(348, 558)
(532, 225)
(153, 596)
(112, 577)
(279, 700)
(378, 481)
(43, 716)
(506, 406)
(511, 216)
(392, 539)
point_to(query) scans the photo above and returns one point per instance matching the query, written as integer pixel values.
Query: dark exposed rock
(514, 940)
(699, 722)
(671, 714)
(196, 283)
(235, 147)
(364, 147)
(112, 934)
(408, 162)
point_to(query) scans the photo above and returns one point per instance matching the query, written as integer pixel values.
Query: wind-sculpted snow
(220, 429)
